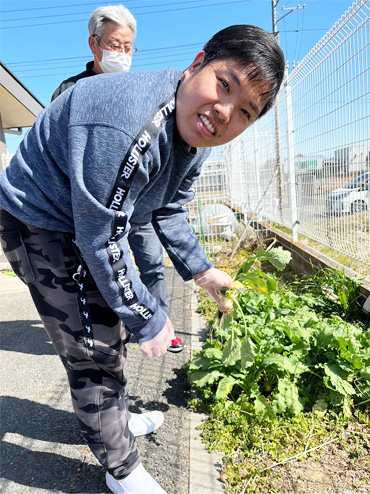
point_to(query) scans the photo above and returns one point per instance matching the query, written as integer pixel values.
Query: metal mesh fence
(306, 164)
(210, 214)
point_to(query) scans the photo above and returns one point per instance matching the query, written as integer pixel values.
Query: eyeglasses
(116, 47)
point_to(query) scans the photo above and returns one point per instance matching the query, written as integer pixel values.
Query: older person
(112, 31)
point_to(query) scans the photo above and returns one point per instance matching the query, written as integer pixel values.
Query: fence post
(290, 149)
(258, 192)
(278, 162)
(200, 216)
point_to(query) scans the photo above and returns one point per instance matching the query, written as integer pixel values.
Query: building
(18, 106)
(351, 159)
(18, 109)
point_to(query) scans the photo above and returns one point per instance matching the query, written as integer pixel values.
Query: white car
(352, 198)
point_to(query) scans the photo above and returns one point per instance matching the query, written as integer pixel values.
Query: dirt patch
(335, 471)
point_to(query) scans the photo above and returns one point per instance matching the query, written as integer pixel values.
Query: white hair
(111, 13)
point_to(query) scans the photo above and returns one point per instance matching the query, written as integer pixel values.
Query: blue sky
(44, 42)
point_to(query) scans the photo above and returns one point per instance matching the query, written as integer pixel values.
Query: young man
(112, 30)
(112, 150)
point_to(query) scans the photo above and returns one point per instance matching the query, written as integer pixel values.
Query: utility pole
(274, 4)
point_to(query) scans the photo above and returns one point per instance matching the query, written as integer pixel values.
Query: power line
(134, 67)
(60, 6)
(45, 16)
(296, 40)
(191, 54)
(89, 12)
(149, 50)
(303, 30)
(136, 13)
(167, 55)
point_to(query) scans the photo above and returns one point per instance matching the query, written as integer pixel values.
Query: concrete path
(42, 450)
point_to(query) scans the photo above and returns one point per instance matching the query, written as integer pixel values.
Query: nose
(223, 111)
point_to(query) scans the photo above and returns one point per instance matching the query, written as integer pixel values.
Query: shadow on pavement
(137, 405)
(25, 337)
(176, 392)
(49, 471)
(42, 422)
(23, 423)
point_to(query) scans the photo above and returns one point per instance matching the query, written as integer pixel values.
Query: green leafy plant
(333, 292)
(271, 350)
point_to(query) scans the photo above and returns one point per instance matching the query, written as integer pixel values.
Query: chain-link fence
(306, 164)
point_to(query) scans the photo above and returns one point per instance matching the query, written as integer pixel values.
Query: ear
(92, 45)
(198, 60)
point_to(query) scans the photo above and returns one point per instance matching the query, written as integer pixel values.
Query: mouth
(211, 129)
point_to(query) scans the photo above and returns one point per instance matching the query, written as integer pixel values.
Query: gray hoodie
(76, 172)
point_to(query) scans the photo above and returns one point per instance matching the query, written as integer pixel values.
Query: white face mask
(114, 61)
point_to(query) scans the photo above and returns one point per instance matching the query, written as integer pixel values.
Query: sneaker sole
(116, 487)
(175, 349)
(111, 484)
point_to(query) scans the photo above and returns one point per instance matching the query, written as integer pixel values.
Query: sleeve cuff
(153, 327)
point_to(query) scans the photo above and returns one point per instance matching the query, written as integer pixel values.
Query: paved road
(42, 450)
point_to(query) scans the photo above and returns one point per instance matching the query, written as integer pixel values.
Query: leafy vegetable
(280, 351)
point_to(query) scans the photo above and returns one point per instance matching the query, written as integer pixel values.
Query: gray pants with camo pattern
(87, 335)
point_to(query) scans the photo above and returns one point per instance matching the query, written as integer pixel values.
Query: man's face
(114, 35)
(217, 103)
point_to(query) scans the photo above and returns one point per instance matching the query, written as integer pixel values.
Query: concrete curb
(204, 467)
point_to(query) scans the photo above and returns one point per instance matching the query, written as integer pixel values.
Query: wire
(68, 6)
(84, 56)
(300, 46)
(51, 7)
(296, 38)
(136, 13)
(190, 53)
(134, 67)
(78, 13)
(304, 30)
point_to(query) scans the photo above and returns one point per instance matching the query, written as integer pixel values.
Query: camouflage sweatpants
(93, 353)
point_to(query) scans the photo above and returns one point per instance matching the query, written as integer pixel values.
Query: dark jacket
(71, 81)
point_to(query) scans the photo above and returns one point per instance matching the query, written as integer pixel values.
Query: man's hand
(159, 344)
(213, 280)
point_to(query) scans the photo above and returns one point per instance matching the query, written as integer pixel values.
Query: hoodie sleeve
(95, 155)
(177, 236)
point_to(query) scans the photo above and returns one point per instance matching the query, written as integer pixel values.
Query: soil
(337, 469)
(332, 473)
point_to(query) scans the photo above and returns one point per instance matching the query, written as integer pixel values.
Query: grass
(257, 449)
(349, 262)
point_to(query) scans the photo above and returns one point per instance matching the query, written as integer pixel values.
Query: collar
(89, 69)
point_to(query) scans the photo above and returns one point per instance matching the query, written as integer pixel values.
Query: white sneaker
(138, 482)
(145, 423)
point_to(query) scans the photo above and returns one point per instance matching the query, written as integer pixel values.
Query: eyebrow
(236, 79)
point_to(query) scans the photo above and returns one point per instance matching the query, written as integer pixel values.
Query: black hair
(254, 49)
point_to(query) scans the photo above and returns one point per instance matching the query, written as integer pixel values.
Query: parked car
(351, 198)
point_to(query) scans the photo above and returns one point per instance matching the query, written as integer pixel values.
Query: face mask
(114, 61)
